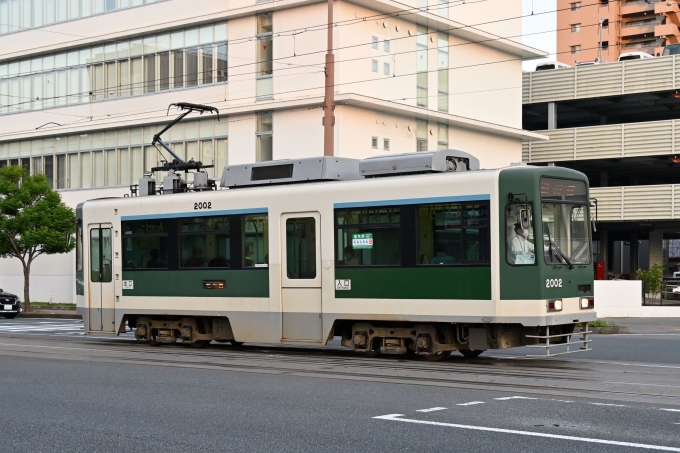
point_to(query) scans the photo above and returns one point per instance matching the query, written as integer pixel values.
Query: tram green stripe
(189, 283)
(416, 283)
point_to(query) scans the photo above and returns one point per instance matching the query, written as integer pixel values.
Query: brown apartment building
(627, 26)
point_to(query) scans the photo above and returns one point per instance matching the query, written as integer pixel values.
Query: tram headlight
(555, 305)
(587, 302)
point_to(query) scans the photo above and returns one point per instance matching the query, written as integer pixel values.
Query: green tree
(652, 279)
(33, 220)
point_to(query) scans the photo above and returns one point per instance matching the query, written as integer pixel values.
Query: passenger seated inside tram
(442, 257)
(218, 261)
(155, 261)
(196, 259)
(521, 250)
(350, 259)
(247, 260)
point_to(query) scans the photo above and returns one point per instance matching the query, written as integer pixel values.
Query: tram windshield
(565, 226)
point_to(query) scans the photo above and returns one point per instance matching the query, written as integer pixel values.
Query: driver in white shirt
(519, 246)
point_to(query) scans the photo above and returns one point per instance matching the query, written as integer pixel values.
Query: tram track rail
(546, 377)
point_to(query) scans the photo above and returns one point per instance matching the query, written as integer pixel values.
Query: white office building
(85, 84)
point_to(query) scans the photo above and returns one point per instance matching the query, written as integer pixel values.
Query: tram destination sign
(362, 241)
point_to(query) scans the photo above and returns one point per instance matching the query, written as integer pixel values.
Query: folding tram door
(102, 294)
(301, 276)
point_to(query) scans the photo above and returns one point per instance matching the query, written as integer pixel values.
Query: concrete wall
(623, 299)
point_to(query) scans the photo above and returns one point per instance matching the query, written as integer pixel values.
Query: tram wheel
(470, 353)
(441, 355)
(236, 343)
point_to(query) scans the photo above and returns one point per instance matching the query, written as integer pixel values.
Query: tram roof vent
(445, 160)
(290, 170)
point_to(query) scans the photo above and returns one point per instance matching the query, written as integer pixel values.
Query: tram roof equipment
(344, 169)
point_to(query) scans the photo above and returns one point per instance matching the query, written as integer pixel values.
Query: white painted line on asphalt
(505, 398)
(670, 410)
(432, 409)
(395, 417)
(471, 403)
(560, 401)
(606, 404)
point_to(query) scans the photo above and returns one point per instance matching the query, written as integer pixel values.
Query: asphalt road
(67, 392)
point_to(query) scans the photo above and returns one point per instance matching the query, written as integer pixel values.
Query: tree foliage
(33, 220)
(652, 279)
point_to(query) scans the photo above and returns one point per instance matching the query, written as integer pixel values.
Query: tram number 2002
(204, 205)
(553, 282)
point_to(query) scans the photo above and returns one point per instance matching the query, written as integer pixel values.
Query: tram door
(301, 276)
(102, 295)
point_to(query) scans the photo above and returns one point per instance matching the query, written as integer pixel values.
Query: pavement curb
(50, 315)
(609, 330)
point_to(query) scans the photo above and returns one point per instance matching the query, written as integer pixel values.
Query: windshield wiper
(564, 257)
(561, 255)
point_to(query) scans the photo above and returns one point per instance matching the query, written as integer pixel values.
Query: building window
(605, 45)
(421, 66)
(374, 65)
(386, 68)
(386, 45)
(265, 66)
(576, 49)
(264, 137)
(374, 42)
(443, 9)
(442, 136)
(152, 63)
(575, 6)
(443, 72)
(21, 15)
(374, 142)
(604, 2)
(605, 23)
(575, 28)
(386, 144)
(421, 135)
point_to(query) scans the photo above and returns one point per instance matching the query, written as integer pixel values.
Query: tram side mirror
(69, 237)
(525, 219)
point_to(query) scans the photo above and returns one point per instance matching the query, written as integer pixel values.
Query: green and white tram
(421, 253)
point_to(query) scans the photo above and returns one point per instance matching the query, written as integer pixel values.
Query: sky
(539, 31)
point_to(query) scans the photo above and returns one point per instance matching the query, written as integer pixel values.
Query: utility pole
(329, 98)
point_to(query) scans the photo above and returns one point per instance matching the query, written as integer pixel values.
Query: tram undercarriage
(432, 341)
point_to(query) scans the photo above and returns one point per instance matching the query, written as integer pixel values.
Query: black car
(10, 305)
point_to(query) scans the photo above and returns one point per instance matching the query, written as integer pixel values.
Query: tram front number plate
(7, 307)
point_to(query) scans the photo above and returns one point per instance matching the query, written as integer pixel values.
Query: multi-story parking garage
(84, 85)
(617, 123)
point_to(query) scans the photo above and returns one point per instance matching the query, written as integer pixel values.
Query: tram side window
(368, 236)
(255, 240)
(145, 244)
(453, 233)
(204, 242)
(520, 242)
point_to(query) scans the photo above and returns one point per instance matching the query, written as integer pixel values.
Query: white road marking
(505, 398)
(670, 410)
(605, 404)
(432, 409)
(471, 403)
(395, 417)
